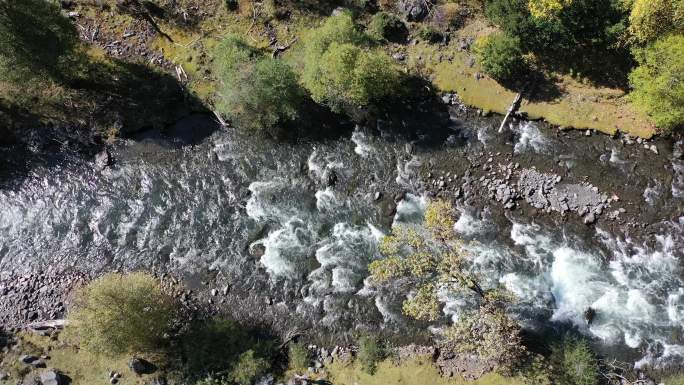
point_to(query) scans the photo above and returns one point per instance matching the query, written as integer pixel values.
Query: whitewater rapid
(266, 218)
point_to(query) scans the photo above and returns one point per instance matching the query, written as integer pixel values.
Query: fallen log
(44, 325)
(513, 108)
(281, 48)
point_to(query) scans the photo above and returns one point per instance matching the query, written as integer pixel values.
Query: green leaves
(256, 91)
(573, 362)
(658, 81)
(119, 314)
(340, 70)
(501, 57)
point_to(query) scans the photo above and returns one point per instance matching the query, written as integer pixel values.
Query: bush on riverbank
(501, 57)
(573, 363)
(370, 353)
(257, 92)
(658, 82)
(341, 70)
(118, 314)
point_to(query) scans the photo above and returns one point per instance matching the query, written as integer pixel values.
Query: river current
(263, 217)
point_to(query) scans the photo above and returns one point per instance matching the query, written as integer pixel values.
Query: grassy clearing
(416, 372)
(82, 367)
(574, 103)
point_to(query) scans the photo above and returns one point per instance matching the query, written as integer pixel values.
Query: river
(265, 219)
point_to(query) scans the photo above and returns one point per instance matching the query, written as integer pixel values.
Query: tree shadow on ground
(131, 97)
(315, 122)
(601, 66)
(35, 40)
(324, 7)
(212, 347)
(536, 86)
(416, 112)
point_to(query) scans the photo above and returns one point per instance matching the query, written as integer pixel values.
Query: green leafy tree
(256, 91)
(501, 57)
(489, 333)
(341, 71)
(118, 314)
(658, 81)
(434, 259)
(370, 353)
(574, 363)
(651, 19)
(36, 41)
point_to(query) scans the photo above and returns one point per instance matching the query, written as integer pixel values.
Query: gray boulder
(140, 366)
(50, 377)
(414, 10)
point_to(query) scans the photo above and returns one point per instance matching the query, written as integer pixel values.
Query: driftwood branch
(220, 119)
(281, 48)
(290, 336)
(513, 108)
(44, 325)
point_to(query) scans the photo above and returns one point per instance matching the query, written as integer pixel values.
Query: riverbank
(183, 58)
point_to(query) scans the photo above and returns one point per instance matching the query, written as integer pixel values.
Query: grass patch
(82, 367)
(417, 372)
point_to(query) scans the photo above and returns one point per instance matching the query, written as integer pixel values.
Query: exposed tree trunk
(513, 108)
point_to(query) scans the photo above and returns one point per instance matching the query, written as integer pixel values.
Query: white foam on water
(411, 209)
(638, 296)
(653, 193)
(319, 163)
(346, 254)
(407, 170)
(531, 138)
(288, 249)
(363, 147)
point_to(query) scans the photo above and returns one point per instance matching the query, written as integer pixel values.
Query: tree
(341, 71)
(651, 19)
(36, 41)
(256, 91)
(658, 81)
(573, 362)
(500, 56)
(489, 333)
(118, 314)
(432, 258)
